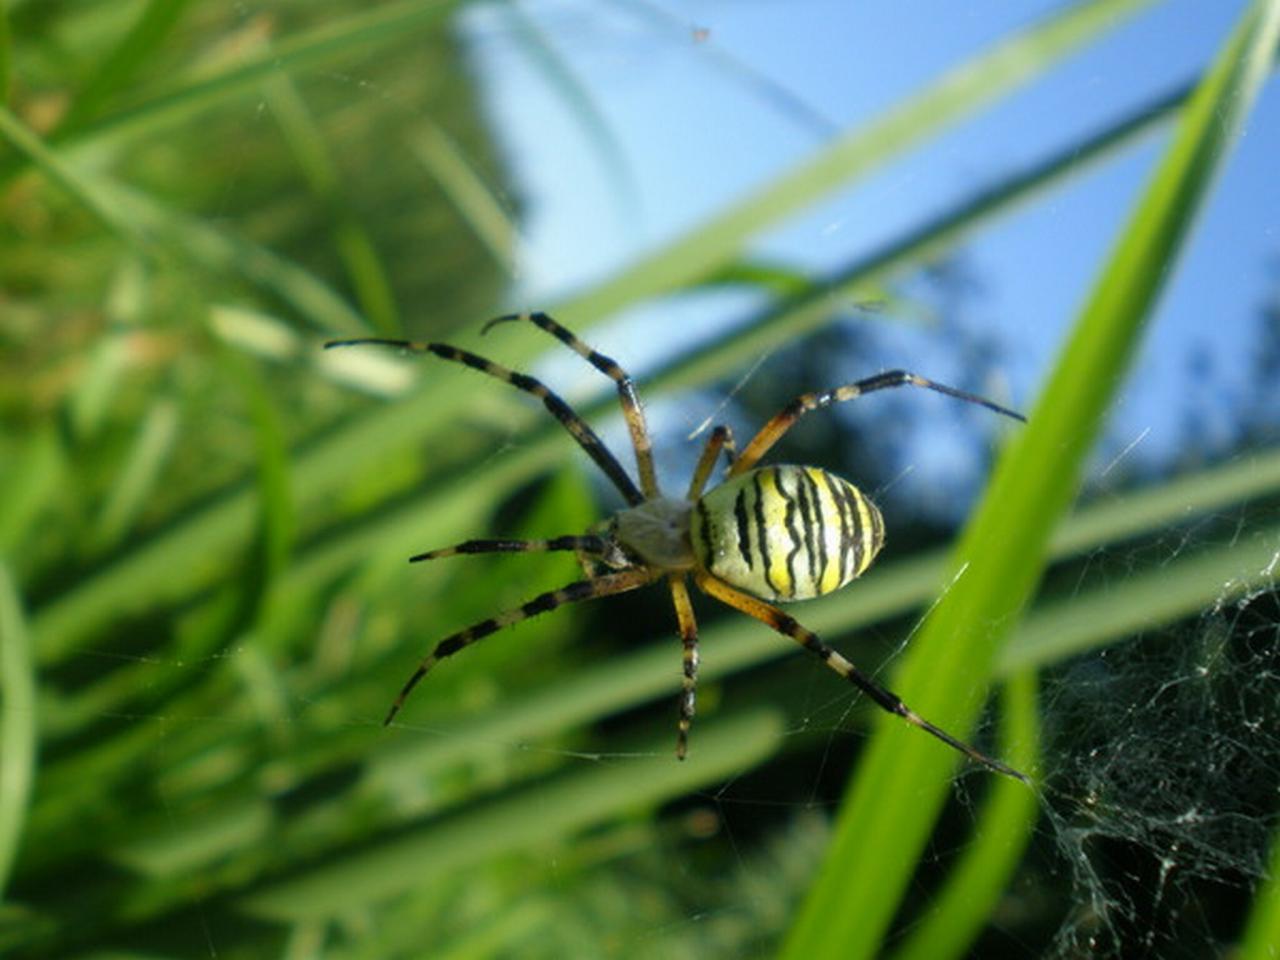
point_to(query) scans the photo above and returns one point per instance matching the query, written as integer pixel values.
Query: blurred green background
(205, 608)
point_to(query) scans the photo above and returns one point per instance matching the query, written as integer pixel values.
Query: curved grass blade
(62, 175)
(1262, 932)
(17, 722)
(475, 202)
(145, 36)
(901, 783)
(354, 245)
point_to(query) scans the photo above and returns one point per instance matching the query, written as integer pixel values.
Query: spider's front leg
(606, 586)
(885, 699)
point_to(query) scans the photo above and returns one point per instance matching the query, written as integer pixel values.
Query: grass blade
(564, 805)
(477, 204)
(17, 722)
(956, 916)
(1262, 933)
(146, 35)
(29, 145)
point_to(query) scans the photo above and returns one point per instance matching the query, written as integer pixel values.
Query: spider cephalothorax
(765, 534)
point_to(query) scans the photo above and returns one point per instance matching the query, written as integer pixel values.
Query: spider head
(657, 532)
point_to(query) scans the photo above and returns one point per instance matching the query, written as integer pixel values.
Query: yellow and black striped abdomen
(786, 532)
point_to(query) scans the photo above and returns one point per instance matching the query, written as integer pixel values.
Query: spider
(766, 534)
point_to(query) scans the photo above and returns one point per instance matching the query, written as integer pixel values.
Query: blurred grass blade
(219, 251)
(144, 37)
(1262, 931)
(1093, 618)
(538, 815)
(1007, 67)
(579, 103)
(17, 723)
(6, 55)
(354, 245)
(273, 538)
(956, 915)
(28, 485)
(901, 783)
(141, 469)
(62, 175)
(475, 202)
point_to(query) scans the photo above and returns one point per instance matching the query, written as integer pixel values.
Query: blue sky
(696, 136)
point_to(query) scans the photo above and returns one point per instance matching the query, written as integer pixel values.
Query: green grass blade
(62, 175)
(6, 55)
(17, 723)
(1262, 931)
(218, 251)
(956, 916)
(475, 202)
(352, 241)
(140, 471)
(36, 470)
(563, 805)
(144, 37)
(1067, 628)
(901, 784)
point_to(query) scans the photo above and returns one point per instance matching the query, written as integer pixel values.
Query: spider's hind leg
(689, 641)
(885, 699)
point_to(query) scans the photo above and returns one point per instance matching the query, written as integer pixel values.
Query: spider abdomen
(786, 532)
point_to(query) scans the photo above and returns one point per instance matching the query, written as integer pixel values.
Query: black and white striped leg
(885, 699)
(565, 414)
(605, 586)
(783, 421)
(689, 642)
(631, 409)
(578, 544)
(721, 439)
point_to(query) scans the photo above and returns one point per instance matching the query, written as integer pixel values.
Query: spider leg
(885, 699)
(689, 639)
(721, 439)
(573, 593)
(783, 421)
(586, 544)
(631, 409)
(569, 419)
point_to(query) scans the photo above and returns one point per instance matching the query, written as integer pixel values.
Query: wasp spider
(764, 535)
